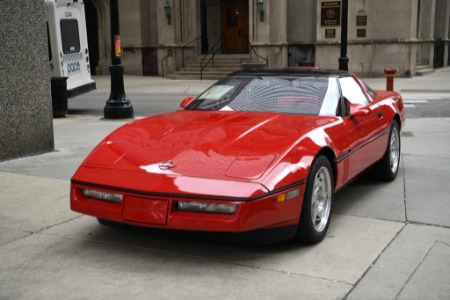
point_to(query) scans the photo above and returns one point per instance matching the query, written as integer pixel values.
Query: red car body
(254, 163)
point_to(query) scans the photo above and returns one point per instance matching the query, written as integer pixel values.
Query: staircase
(422, 70)
(224, 64)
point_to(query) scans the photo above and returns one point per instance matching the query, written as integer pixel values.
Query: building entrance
(227, 22)
(234, 25)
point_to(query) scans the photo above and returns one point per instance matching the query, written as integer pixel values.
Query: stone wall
(377, 37)
(25, 97)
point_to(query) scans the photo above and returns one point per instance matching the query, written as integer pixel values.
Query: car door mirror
(186, 101)
(359, 110)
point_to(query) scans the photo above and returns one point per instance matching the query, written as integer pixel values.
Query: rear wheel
(316, 211)
(387, 168)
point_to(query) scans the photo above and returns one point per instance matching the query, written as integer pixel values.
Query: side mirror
(359, 110)
(186, 102)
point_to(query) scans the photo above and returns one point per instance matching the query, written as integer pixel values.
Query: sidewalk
(386, 241)
(435, 82)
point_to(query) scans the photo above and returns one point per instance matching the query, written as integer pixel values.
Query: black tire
(317, 201)
(110, 223)
(387, 168)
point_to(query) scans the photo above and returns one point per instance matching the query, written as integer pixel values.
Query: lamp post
(343, 60)
(118, 105)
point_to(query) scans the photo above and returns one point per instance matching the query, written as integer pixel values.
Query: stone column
(277, 16)
(166, 35)
(269, 36)
(26, 118)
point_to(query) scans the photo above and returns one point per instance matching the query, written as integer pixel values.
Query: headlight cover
(219, 208)
(105, 196)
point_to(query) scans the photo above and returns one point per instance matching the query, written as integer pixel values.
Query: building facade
(159, 37)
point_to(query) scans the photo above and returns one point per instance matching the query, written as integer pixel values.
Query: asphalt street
(386, 240)
(147, 101)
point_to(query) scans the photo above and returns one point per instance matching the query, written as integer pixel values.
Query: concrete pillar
(278, 33)
(270, 36)
(26, 118)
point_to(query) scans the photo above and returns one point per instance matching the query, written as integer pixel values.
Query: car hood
(202, 144)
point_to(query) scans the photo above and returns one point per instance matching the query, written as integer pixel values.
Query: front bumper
(268, 211)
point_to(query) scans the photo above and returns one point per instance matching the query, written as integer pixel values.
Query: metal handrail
(213, 51)
(173, 53)
(258, 55)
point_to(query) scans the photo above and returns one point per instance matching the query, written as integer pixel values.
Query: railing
(173, 54)
(438, 61)
(301, 55)
(150, 61)
(252, 50)
(212, 51)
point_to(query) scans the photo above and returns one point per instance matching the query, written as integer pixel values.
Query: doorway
(235, 24)
(92, 34)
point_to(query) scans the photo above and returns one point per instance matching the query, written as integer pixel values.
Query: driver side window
(352, 91)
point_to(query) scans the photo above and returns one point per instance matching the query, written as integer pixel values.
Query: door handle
(379, 114)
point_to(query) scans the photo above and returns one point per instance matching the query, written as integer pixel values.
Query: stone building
(170, 37)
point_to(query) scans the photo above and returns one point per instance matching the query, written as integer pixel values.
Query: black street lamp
(118, 105)
(343, 60)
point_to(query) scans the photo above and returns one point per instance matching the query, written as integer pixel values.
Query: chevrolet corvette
(260, 151)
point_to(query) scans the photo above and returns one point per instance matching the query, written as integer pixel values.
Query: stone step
(195, 76)
(223, 65)
(211, 69)
(216, 64)
(423, 70)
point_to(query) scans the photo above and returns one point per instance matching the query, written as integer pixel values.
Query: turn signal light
(289, 195)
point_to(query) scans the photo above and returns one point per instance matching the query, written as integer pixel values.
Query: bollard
(390, 74)
(59, 96)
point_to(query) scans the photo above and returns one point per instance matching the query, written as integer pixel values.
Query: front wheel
(316, 211)
(110, 223)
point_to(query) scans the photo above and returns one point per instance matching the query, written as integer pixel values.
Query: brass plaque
(361, 32)
(361, 20)
(330, 33)
(331, 13)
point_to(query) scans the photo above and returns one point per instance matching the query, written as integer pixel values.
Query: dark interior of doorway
(92, 33)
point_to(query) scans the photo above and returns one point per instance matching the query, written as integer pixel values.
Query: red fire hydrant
(390, 74)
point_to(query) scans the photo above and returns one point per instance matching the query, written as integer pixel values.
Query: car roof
(294, 71)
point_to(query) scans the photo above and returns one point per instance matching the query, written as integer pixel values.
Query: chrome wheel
(394, 146)
(316, 209)
(321, 199)
(387, 168)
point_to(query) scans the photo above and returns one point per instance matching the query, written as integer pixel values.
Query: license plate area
(144, 210)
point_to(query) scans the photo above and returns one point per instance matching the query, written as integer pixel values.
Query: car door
(365, 133)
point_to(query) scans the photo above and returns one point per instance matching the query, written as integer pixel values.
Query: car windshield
(296, 95)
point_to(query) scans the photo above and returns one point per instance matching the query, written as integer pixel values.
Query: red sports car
(259, 151)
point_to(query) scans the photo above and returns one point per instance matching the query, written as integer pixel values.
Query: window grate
(301, 55)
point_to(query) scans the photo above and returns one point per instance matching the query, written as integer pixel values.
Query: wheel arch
(399, 122)
(329, 154)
